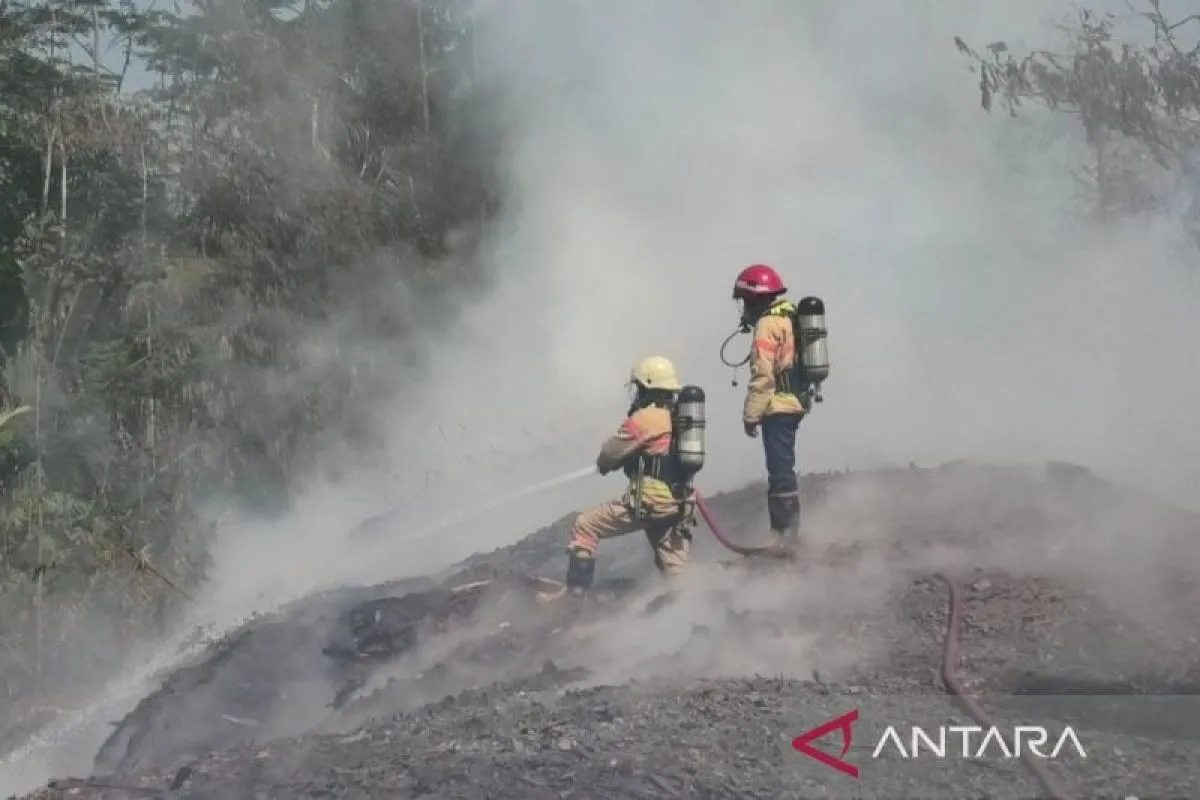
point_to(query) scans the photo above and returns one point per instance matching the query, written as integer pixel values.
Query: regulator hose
(726, 361)
(725, 345)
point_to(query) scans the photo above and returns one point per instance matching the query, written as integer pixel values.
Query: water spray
(457, 519)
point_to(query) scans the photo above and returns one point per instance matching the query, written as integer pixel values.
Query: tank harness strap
(687, 512)
(664, 468)
(788, 382)
(655, 467)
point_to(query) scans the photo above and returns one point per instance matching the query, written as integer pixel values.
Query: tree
(1134, 102)
(164, 255)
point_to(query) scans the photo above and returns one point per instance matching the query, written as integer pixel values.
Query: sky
(139, 78)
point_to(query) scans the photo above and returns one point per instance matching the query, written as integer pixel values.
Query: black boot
(791, 516)
(784, 511)
(782, 514)
(581, 570)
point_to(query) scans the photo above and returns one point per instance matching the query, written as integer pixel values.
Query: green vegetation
(164, 255)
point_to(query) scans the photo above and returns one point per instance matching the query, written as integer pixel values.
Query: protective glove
(751, 429)
(604, 465)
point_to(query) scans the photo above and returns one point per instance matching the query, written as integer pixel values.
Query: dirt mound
(712, 739)
(1071, 583)
(290, 671)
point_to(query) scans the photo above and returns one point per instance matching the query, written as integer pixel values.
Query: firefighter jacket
(644, 436)
(771, 359)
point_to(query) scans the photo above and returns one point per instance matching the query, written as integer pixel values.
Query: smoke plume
(651, 150)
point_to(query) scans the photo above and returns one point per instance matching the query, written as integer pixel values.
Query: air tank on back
(688, 435)
(812, 336)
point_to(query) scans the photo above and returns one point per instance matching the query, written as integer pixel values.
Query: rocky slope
(1078, 598)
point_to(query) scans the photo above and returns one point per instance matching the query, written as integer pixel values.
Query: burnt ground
(1079, 600)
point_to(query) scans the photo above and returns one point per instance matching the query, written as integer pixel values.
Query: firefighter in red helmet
(772, 403)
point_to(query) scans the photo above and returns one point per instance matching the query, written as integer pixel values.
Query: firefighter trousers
(783, 493)
(670, 543)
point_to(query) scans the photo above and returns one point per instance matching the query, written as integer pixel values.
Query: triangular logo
(844, 724)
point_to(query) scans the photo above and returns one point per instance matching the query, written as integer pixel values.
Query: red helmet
(758, 280)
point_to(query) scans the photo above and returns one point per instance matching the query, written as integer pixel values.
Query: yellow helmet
(655, 372)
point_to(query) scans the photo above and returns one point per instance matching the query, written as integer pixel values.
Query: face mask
(744, 318)
(632, 388)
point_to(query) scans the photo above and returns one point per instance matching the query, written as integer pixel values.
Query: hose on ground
(729, 544)
(954, 686)
(950, 654)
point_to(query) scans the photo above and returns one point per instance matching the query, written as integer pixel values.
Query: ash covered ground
(1079, 601)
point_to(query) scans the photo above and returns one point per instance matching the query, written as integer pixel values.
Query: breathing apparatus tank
(687, 434)
(812, 362)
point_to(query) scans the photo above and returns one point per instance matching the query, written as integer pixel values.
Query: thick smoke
(653, 149)
(975, 311)
(656, 149)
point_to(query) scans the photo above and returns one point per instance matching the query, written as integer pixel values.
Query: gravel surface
(1078, 605)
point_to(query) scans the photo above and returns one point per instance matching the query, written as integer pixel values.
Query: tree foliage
(164, 252)
(1133, 99)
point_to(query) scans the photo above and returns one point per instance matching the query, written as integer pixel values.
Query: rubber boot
(784, 512)
(581, 571)
(791, 506)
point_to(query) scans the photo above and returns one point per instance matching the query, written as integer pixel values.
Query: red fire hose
(729, 544)
(949, 673)
(952, 683)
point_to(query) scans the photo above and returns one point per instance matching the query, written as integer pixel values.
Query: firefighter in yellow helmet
(656, 500)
